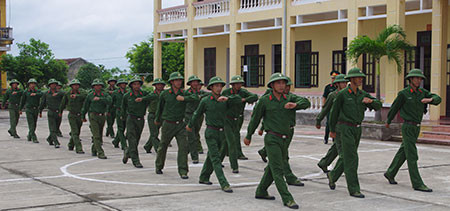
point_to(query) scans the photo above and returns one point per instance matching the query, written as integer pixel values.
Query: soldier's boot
(50, 142)
(138, 165)
(28, 138)
(291, 204)
(148, 148)
(16, 136)
(10, 133)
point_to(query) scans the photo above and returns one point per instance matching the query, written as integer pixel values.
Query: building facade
(74, 65)
(244, 37)
(6, 40)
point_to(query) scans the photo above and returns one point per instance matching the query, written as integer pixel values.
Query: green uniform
(74, 106)
(276, 140)
(408, 102)
(59, 120)
(111, 117)
(214, 135)
(333, 151)
(96, 110)
(328, 90)
(116, 108)
(194, 135)
(12, 96)
(347, 114)
(170, 112)
(134, 113)
(233, 123)
(31, 105)
(52, 103)
(153, 140)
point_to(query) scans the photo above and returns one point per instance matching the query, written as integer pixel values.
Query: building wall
(221, 44)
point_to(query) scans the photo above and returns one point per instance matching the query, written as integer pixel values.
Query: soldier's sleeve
(257, 115)
(395, 107)
(124, 107)
(436, 99)
(5, 98)
(335, 110)
(108, 100)
(113, 102)
(198, 113)
(203, 94)
(249, 97)
(302, 102)
(23, 99)
(160, 107)
(43, 103)
(234, 100)
(63, 103)
(86, 105)
(375, 105)
(326, 108)
(190, 97)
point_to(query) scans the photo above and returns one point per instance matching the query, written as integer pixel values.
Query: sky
(100, 31)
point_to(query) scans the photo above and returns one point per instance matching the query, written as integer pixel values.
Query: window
(210, 64)
(306, 65)
(410, 63)
(276, 59)
(339, 60)
(369, 69)
(253, 66)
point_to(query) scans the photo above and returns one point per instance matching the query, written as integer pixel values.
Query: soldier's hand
(138, 100)
(260, 132)
(333, 134)
(180, 98)
(40, 115)
(73, 96)
(54, 94)
(157, 123)
(243, 100)
(108, 114)
(33, 94)
(14, 93)
(110, 92)
(222, 99)
(96, 99)
(387, 125)
(318, 126)
(290, 105)
(367, 100)
(60, 114)
(188, 129)
(247, 142)
(20, 112)
(426, 100)
(84, 120)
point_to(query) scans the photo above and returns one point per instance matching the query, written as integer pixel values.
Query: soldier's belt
(232, 118)
(98, 114)
(349, 124)
(412, 123)
(76, 114)
(135, 117)
(214, 128)
(54, 110)
(173, 122)
(277, 134)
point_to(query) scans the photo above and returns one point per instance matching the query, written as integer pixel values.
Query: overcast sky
(100, 31)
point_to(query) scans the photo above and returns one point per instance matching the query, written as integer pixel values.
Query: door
(423, 56)
(210, 64)
(276, 59)
(448, 83)
(252, 63)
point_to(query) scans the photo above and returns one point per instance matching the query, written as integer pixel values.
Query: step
(433, 141)
(436, 128)
(436, 135)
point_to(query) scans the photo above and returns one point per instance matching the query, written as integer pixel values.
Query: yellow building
(5, 39)
(245, 37)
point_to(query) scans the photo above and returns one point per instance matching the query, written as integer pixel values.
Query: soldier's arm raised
(326, 108)
(335, 110)
(395, 107)
(436, 99)
(258, 113)
(197, 113)
(160, 108)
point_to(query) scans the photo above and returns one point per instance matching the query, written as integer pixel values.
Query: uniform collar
(32, 90)
(411, 90)
(77, 92)
(132, 93)
(191, 90)
(53, 92)
(272, 97)
(98, 94)
(121, 90)
(212, 97)
(233, 91)
(172, 91)
(350, 91)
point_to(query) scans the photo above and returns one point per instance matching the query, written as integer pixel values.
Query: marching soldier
(74, 100)
(340, 83)
(58, 123)
(346, 116)
(134, 105)
(111, 116)
(411, 103)
(52, 100)
(274, 109)
(329, 88)
(96, 104)
(30, 101)
(202, 94)
(194, 134)
(12, 96)
(170, 110)
(214, 106)
(234, 120)
(116, 108)
(153, 140)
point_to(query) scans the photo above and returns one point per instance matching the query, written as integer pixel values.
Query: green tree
(391, 42)
(35, 60)
(87, 74)
(113, 72)
(140, 57)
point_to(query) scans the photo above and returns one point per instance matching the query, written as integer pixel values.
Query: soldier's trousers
(58, 124)
(327, 129)
(232, 135)
(32, 116)
(110, 123)
(13, 120)
(238, 144)
(330, 156)
(194, 137)
(347, 163)
(75, 123)
(153, 140)
(135, 125)
(53, 127)
(168, 132)
(97, 122)
(288, 174)
(120, 135)
(214, 139)
(408, 152)
(276, 148)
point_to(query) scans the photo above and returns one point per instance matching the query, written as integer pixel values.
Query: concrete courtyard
(40, 177)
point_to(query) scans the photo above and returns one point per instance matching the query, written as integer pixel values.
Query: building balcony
(173, 14)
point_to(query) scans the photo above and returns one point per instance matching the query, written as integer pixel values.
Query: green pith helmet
(276, 77)
(136, 79)
(52, 81)
(158, 81)
(289, 81)
(59, 83)
(32, 80)
(340, 78)
(97, 82)
(355, 73)
(175, 76)
(14, 81)
(415, 73)
(193, 78)
(215, 80)
(74, 81)
(237, 79)
(201, 83)
(112, 79)
(122, 81)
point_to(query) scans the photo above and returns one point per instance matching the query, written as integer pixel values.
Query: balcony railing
(6, 34)
(211, 8)
(255, 5)
(173, 14)
(300, 2)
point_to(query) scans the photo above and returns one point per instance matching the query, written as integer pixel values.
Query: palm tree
(391, 42)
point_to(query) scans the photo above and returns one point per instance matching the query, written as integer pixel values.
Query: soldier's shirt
(12, 96)
(169, 108)
(348, 107)
(73, 105)
(117, 97)
(51, 102)
(131, 107)
(153, 98)
(192, 106)
(409, 103)
(110, 90)
(30, 102)
(238, 110)
(328, 89)
(100, 106)
(326, 107)
(274, 114)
